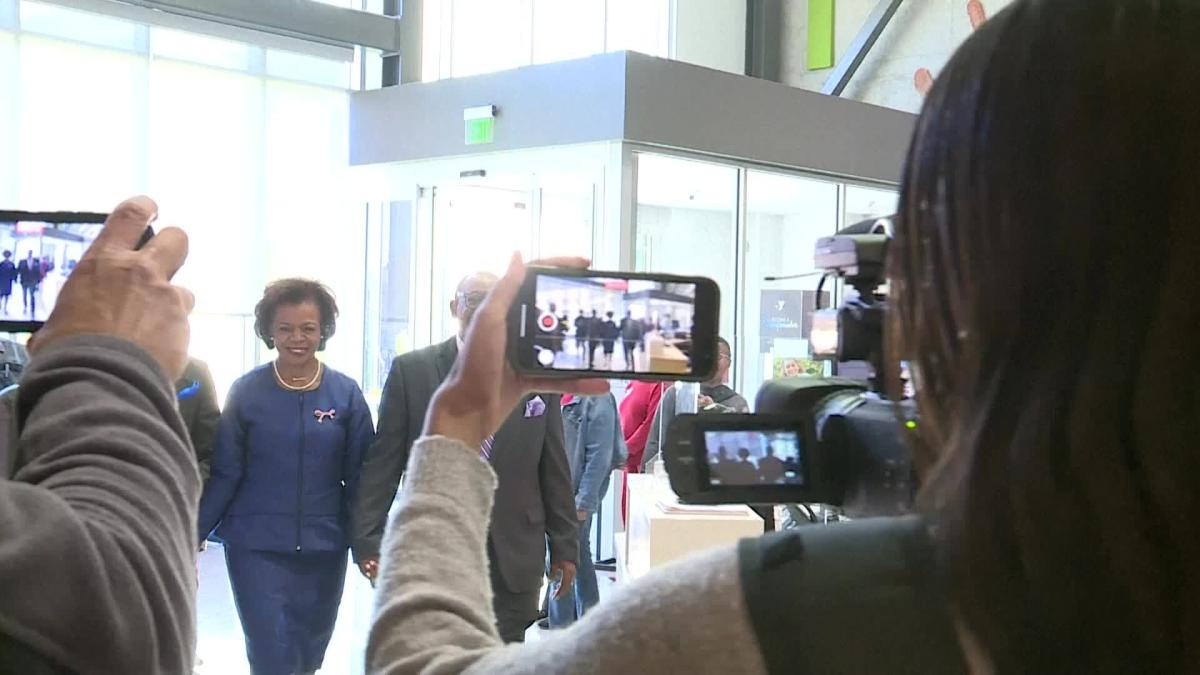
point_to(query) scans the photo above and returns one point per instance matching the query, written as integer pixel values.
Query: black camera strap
(855, 597)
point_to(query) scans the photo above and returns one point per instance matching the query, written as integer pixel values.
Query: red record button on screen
(547, 322)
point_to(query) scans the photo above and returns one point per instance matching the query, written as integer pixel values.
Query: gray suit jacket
(201, 414)
(534, 498)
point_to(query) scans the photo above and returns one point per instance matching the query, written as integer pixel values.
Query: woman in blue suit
(285, 466)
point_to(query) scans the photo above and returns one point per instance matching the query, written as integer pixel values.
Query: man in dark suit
(197, 396)
(534, 498)
(29, 272)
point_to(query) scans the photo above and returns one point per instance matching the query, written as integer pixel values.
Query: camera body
(839, 441)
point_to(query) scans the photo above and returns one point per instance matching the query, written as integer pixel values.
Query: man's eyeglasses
(471, 298)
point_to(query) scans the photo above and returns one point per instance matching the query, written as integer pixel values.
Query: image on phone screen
(612, 324)
(38, 252)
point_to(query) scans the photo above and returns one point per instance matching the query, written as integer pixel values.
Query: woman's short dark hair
(1046, 254)
(295, 291)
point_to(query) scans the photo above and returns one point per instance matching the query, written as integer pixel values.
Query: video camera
(815, 440)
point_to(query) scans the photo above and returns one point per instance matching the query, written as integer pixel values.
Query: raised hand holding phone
(482, 387)
(127, 293)
(571, 322)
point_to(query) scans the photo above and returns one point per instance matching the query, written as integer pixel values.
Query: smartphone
(39, 251)
(615, 325)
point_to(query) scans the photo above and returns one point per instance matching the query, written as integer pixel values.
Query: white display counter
(660, 530)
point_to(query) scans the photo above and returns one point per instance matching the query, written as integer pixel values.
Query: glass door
(687, 223)
(476, 228)
(785, 215)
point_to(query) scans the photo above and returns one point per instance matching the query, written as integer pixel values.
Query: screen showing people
(612, 324)
(35, 260)
(754, 457)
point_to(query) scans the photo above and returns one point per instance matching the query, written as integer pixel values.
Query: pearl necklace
(304, 387)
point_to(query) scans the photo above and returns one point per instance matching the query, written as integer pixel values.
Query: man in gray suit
(534, 498)
(197, 396)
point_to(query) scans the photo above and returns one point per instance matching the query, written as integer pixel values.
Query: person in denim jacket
(595, 447)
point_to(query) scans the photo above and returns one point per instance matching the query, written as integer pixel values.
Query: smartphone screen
(616, 325)
(38, 252)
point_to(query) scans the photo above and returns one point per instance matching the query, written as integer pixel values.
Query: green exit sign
(480, 124)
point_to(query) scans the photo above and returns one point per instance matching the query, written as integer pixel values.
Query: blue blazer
(286, 464)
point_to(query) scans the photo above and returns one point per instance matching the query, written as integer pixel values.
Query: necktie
(485, 450)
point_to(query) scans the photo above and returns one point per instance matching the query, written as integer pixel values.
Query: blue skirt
(288, 603)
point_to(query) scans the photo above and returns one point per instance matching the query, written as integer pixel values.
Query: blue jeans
(565, 610)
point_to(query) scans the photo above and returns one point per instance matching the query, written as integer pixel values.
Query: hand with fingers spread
(482, 388)
(126, 293)
(923, 78)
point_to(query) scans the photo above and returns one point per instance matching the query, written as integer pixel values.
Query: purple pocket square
(535, 407)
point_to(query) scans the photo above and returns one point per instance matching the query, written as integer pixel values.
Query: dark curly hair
(294, 292)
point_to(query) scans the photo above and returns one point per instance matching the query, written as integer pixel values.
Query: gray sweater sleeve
(97, 570)
(434, 611)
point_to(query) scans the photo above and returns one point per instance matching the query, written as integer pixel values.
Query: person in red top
(637, 411)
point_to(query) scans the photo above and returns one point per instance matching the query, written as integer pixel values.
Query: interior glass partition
(785, 215)
(754, 231)
(437, 227)
(687, 216)
(865, 203)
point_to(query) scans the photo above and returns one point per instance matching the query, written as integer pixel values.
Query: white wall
(922, 34)
(711, 33)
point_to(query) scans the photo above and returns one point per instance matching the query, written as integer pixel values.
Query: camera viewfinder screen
(37, 257)
(754, 458)
(611, 324)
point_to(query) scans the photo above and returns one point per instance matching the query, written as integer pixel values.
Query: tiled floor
(221, 648)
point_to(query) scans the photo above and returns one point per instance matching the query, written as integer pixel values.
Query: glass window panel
(306, 68)
(10, 15)
(205, 170)
(567, 210)
(638, 25)
(221, 341)
(567, 29)
(173, 44)
(433, 24)
(785, 215)
(395, 263)
(686, 223)
(10, 112)
(863, 203)
(312, 228)
(76, 153)
(489, 36)
(476, 229)
(85, 27)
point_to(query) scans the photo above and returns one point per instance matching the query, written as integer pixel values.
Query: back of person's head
(1045, 259)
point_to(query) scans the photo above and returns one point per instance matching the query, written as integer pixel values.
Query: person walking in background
(8, 274)
(637, 415)
(595, 337)
(583, 329)
(285, 469)
(29, 273)
(595, 448)
(631, 336)
(743, 471)
(715, 397)
(197, 396)
(608, 336)
(770, 467)
(533, 497)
